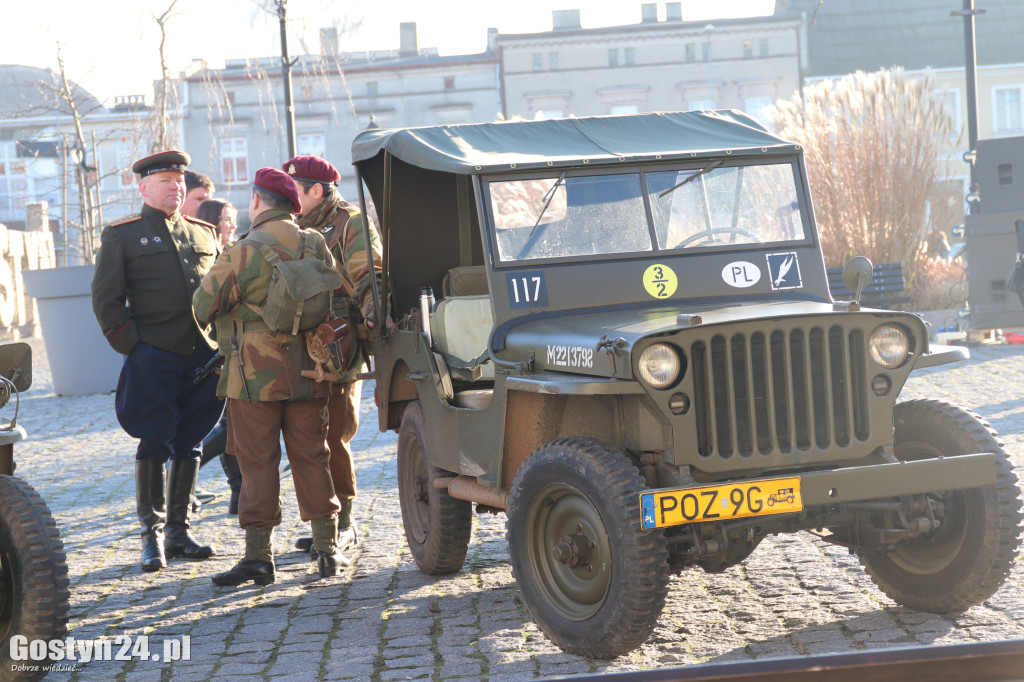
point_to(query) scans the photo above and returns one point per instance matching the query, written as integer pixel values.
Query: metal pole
(286, 71)
(711, 76)
(971, 67)
(64, 197)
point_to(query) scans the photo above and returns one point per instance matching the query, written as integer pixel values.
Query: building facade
(665, 65)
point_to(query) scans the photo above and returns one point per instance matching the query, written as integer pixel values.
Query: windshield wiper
(710, 167)
(547, 198)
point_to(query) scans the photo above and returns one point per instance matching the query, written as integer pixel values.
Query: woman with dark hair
(222, 214)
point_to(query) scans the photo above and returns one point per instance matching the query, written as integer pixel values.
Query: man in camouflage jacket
(341, 224)
(265, 390)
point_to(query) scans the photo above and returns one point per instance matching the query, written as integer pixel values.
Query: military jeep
(34, 594)
(619, 332)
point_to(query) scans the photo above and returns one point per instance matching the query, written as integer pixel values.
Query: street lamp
(708, 30)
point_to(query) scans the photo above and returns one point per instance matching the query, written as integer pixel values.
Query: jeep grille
(758, 394)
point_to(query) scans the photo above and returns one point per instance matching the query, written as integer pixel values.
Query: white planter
(81, 360)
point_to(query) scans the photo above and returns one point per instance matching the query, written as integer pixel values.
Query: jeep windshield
(591, 215)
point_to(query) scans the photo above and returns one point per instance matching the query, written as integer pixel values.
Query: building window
(763, 49)
(1004, 173)
(372, 89)
(613, 57)
(449, 82)
(953, 106)
(755, 106)
(706, 55)
(553, 61)
(698, 104)
(549, 113)
(538, 61)
(691, 52)
(127, 153)
(234, 164)
(624, 109)
(748, 49)
(630, 56)
(312, 144)
(1007, 110)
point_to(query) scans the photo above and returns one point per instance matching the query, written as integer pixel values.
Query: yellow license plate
(662, 508)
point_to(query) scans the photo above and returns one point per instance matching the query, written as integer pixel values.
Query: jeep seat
(461, 327)
(467, 280)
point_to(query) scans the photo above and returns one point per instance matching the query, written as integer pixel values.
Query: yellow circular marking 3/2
(660, 281)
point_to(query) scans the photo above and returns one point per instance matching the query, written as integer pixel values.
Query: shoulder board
(124, 220)
(197, 221)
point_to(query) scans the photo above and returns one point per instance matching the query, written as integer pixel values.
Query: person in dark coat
(149, 265)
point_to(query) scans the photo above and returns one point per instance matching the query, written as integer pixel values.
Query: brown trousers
(342, 424)
(254, 430)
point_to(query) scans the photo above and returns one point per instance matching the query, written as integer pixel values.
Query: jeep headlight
(659, 365)
(889, 346)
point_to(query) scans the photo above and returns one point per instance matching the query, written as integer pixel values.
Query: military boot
(329, 559)
(150, 505)
(347, 536)
(258, 564)
(181, 486)
(230, 465)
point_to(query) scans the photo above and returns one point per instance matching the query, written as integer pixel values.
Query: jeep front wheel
(437, 526)
(593, 581)
(34, 595)
(965, 560)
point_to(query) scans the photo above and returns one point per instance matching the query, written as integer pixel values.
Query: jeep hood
(585, 343)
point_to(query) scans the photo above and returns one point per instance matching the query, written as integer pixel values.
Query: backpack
(299, 295)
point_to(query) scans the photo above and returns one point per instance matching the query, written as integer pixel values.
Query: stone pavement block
(383, 617)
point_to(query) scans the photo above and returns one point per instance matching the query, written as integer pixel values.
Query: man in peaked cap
(341, 224)
(149, 265)
(263, 380)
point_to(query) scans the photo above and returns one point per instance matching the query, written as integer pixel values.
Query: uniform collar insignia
(326, 228)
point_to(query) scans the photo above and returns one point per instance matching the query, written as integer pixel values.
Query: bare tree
(166, 98)
(873, 147)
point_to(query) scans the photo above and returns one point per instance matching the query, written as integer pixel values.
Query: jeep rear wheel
(34, 596)
(593, 581)
(965, 560)
(437, 526)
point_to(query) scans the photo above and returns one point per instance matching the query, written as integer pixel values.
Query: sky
(111, 47)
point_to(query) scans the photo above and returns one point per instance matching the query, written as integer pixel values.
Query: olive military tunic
(147, 269)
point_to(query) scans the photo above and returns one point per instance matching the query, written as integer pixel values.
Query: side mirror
(856, 275)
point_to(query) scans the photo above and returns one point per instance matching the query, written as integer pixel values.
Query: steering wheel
(709, 236)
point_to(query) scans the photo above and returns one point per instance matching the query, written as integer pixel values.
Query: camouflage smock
(232, 295)
(341, 225)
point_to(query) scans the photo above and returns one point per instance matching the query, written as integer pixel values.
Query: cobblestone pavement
(384, 620)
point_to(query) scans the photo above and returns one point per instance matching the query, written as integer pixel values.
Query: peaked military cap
(279, 184)
(164, 161)
(311, 169)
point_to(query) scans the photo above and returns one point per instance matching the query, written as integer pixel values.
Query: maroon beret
(279, 184)
(311, 169)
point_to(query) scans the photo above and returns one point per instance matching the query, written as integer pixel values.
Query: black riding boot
(150, 505)
(258, 564)
(234, 474)
(181, 486)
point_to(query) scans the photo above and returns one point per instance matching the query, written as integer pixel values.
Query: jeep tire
(437, 526)
(593, 581)
(34, 594)
(965, 560)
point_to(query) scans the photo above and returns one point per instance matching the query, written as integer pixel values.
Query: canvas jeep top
(633, 352)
